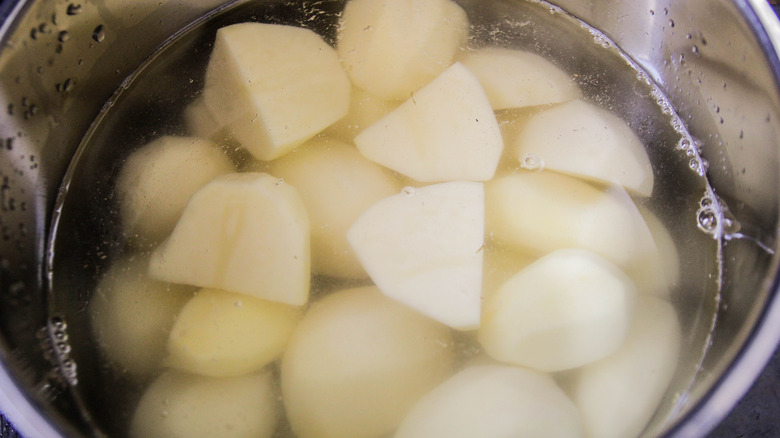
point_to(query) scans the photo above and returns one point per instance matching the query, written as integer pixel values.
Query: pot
(716, 60)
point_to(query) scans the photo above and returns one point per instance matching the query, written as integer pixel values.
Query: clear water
(150, 104)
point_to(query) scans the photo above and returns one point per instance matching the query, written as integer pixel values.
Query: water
(150, 104)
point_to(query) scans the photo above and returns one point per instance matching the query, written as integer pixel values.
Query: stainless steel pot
(717, 61)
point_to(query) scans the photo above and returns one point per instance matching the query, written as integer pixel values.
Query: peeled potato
(393, 47)
(493, 401)
(423, 248)
(581, 139)
(619, 394)
(274, 87)
(445, 132)
(364, 110)
(567, 309)
(221, 333)
(540, 212)
(336, 185)
(356, 364)
(201, 123)
(132, 315)
(246, 233)
(180, 405)
(157, 180)
(658, 272)
(517, 78)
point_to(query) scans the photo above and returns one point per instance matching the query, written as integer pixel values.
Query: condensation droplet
(99, 34)
(63, 36)
(73, 9)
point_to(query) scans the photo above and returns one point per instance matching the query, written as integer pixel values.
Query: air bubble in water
(531, 161)
(63, 36)
(707, 220)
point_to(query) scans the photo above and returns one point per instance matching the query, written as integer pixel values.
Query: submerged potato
(274, 87)
(337, 185)
(517, 78)
(245, 233)
(180, 405)
(493, 401)
(131, 315)
(581, 139)
(446, 131)
(567, 309)
(540, 212)
(619, 394)
(423, 248)
(221, 333)
(356, 364)
(157, 180)
(393, 47)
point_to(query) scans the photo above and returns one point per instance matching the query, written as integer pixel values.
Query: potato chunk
(393, 47)
(540, 212)
(132, 315)
(221, 333)
(274, 87)
(493, 401)
(423, 247)
(445, 132)
(179, 405)
(619, 394)
(563, 311)
(581, 139)
(356, 364)
(658, 272)
(157, 181)
(336, 185)
(246, 233)
(516, 78)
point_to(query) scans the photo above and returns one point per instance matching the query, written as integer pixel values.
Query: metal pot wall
(61, 61)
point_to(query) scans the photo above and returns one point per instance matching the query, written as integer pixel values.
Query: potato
(619, 394)
(356, 364)
(581, 139)
(364, 110)
(221, 333)
(391, 48)
(423, 247)
(245, 233)
(658, 272)
(539, 212)
(131, 315)
(157, 180)
(517, 78)
(445, 132)
(493, 401)
(336, 185)
(201, 123)
(274, 87)
(180, 405)
(567, 309)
